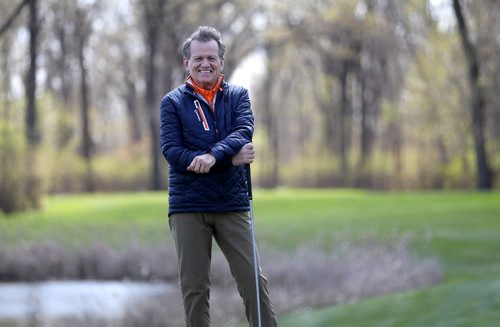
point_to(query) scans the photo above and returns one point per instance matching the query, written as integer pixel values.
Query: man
(206, 131)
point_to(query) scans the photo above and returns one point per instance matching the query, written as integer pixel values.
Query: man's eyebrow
(204, 56)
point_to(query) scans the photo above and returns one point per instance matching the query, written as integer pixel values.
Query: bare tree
(59, 56)
(11, 197)
(484, 172)
(269, 119)
(131, 103)
(152, 16)
(32, 133)
(356, 85)
(82, 34)
(27, 189)
(32, 130)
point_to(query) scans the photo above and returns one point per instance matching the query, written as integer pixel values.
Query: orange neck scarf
(209, 95)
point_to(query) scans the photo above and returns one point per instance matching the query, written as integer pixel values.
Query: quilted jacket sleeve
(242, 123)
(171, 142)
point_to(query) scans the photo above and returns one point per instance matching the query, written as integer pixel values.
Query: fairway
(475, 303)
(460, 229)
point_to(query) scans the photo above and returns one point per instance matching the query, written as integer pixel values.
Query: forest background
(377, 94)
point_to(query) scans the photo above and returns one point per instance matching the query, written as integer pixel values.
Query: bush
(65, 171)
(50, 260)
(127, 169)
(13, 174)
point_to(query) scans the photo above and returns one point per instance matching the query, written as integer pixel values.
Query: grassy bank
(460, 229)
(473, 303)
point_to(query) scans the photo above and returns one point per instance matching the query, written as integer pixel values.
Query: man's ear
(186, 65)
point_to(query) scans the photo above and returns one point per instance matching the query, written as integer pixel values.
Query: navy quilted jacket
(184, 136)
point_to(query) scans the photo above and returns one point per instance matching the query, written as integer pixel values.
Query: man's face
(205, 65)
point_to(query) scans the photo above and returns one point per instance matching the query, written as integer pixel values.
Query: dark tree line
(369, 52)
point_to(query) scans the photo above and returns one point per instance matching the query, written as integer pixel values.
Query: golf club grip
(249, 181)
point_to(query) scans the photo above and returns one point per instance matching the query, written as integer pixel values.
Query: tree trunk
(82, 35)
(343, 126)
(65, 128)
(484, 172)
(133, 117)
(5, 50)
(328, 109)
(151, 107)
(270, 123)
(366, 138)
(32, 134)
(153, 14)
(32, 190)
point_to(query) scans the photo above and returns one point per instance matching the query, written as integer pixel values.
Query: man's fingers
(202, 167)
(248, 153)
(199, 167)
(201, 164)
(248, 149)
(245, 155)
(251, 152)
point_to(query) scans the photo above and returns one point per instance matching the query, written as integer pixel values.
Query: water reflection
(53, 300)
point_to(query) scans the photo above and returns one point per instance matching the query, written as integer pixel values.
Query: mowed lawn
(461, 229)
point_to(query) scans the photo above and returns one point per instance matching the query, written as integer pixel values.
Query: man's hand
(245, 156)
(201, 164)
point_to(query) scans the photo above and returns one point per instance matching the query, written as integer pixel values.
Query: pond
(48, 302)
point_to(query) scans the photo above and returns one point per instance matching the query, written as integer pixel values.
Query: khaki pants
(192, 233)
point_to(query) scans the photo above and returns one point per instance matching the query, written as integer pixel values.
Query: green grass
(475, 303)
(462, 229)
(76, 220)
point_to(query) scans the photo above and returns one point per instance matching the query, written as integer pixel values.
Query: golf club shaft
(254, 243)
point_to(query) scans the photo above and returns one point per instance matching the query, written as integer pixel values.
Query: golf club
(254, 243)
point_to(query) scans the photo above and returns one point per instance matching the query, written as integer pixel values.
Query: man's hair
(203, 34)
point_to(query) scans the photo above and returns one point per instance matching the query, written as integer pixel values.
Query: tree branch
(11, 19)
(464, 37)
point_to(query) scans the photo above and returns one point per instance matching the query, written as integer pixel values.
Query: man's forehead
(201, 47)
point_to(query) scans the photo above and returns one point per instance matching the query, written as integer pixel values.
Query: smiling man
(206, 130)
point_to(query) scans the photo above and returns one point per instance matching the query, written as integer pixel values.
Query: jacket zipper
(216, 129)
(213, 113)
(221, 197)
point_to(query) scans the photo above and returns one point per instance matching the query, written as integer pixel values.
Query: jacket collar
(187, 88)
(208, 95)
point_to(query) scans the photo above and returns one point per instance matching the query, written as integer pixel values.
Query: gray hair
(203, 34)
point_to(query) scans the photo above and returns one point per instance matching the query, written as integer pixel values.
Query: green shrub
(123, 170)
(12, 170)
